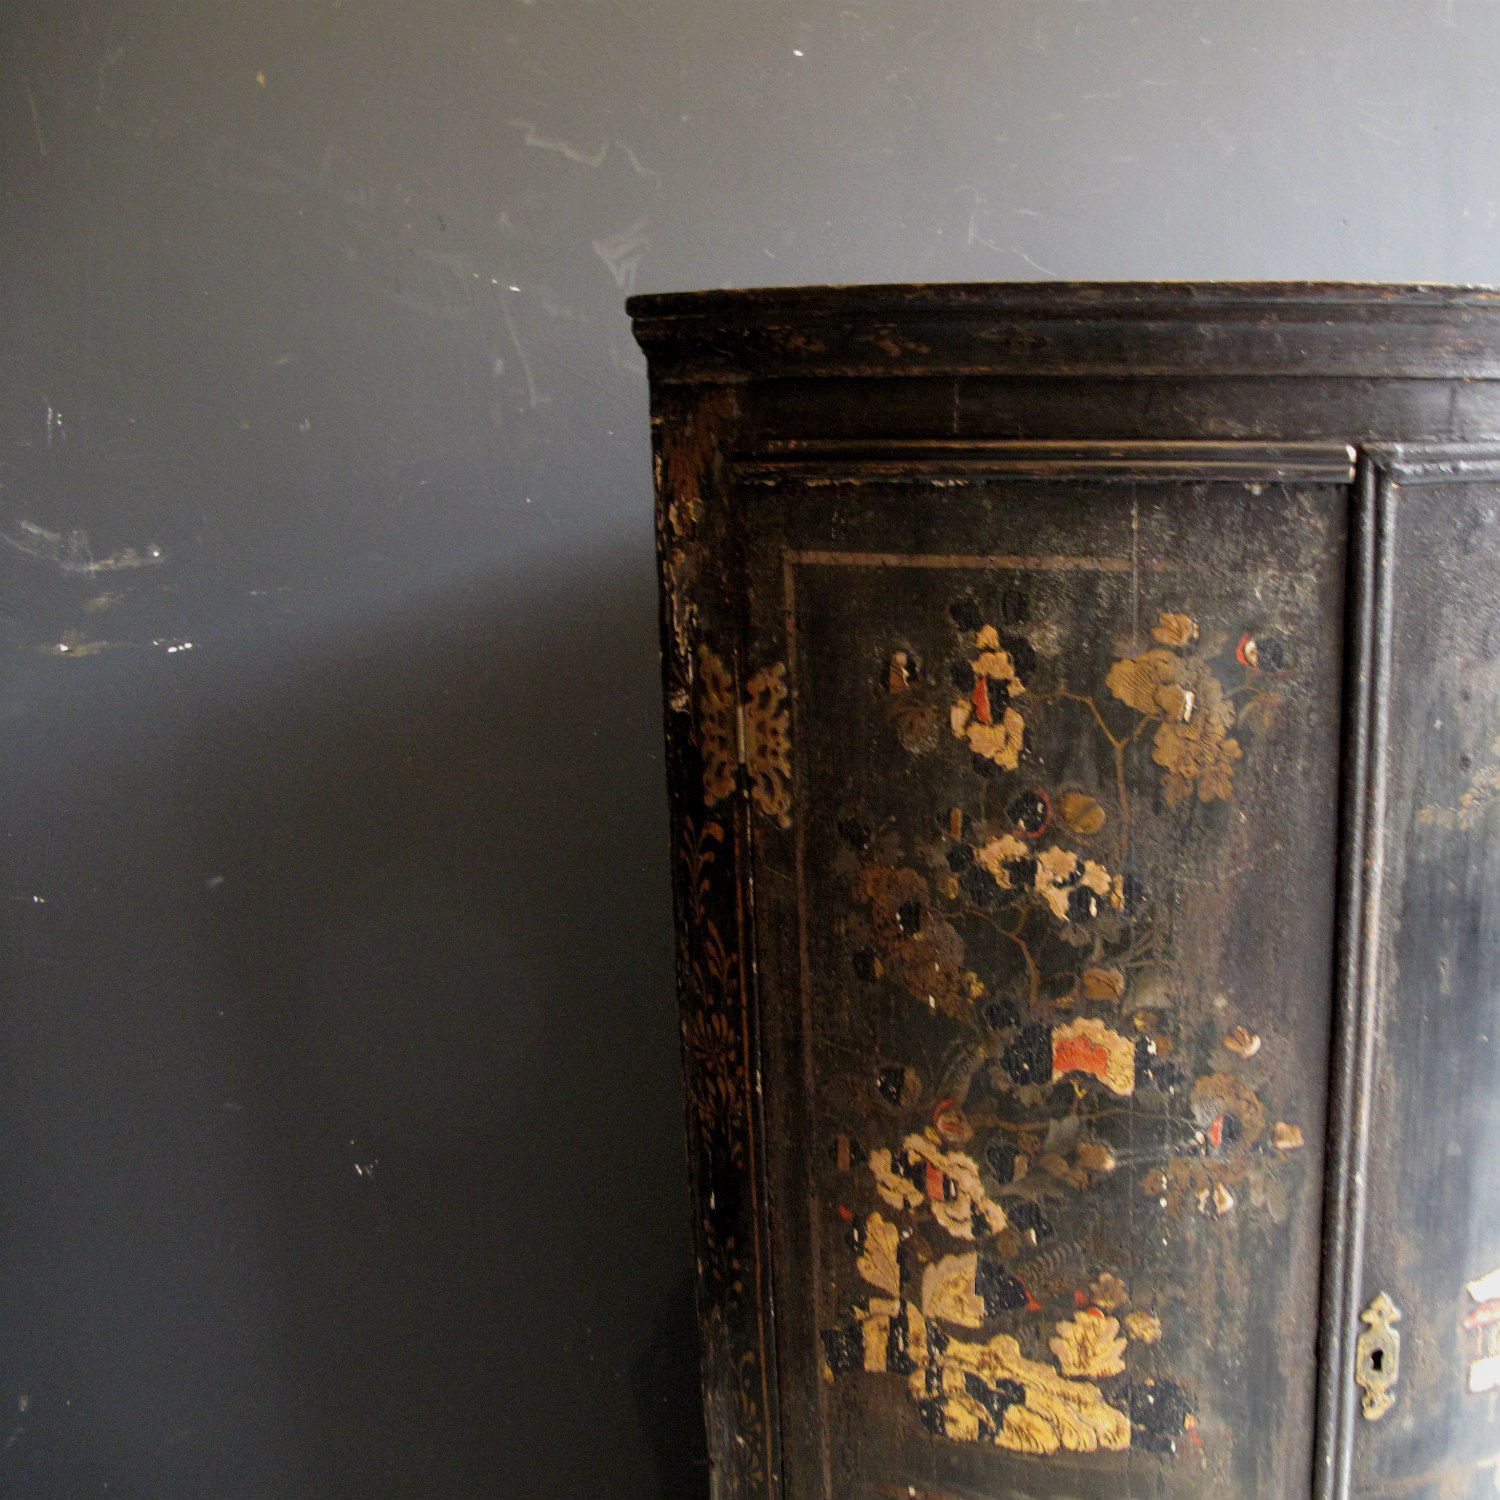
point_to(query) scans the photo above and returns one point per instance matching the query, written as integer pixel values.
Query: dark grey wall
(339, 1143)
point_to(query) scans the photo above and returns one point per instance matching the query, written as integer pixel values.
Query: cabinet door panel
(1433, 1176)
(1043, 913)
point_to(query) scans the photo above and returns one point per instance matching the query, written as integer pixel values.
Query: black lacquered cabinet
(1083, 711)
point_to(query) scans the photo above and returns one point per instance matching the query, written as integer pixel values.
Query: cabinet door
(1045, 749)
(1432, 1171)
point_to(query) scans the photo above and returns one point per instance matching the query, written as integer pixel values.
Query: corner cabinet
(1083, 711)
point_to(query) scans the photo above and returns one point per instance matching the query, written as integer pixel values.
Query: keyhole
(1377, 1359)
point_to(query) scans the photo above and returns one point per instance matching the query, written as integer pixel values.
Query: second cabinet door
(1433, 1169)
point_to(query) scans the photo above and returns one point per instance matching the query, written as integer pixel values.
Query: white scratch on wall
(69, 551)
(622, 253)
(594, 159)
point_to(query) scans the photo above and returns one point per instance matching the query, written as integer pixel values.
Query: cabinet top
(1364, 329)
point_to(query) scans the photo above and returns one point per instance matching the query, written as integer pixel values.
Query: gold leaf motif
(876, 1328)
(948, 1291)
(768, 743)
(878, 1262)
(1081, 813)
(715, 727)
(1143, 1327)
(1243, 1042)
(1027, 1431)
(1176, 630)
(1103, 985)
(712, 1049)
(1090, 1345)
(1058, 1413)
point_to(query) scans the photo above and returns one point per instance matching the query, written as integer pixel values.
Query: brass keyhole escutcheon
(1377, 1357)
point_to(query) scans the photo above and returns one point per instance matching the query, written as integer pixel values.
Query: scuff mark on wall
(621, 253)
(75, 643)
(69, 551)
(36, 122)
(534, 397)
(594, 159)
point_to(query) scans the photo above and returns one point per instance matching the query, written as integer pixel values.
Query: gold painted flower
(947, 1182)
(1143, 1327)
(712, 1046)
(1090, 1345)
(985, 715)
(1074, 889)
(1193, 745)
(999, 855)
(1088, 1046)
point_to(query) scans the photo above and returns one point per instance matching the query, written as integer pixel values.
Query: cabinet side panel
(702, 628)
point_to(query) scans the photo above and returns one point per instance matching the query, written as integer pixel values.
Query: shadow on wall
(392, 1147)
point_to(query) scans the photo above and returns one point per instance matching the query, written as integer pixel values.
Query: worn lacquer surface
(1434, 1222)
(1045, 980)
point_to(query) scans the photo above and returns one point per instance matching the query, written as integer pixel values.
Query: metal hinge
(1377, 1357)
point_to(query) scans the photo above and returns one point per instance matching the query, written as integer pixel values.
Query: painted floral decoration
(984, 714)
(1051, 995)
(1090, 1345)
(1193, 745)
